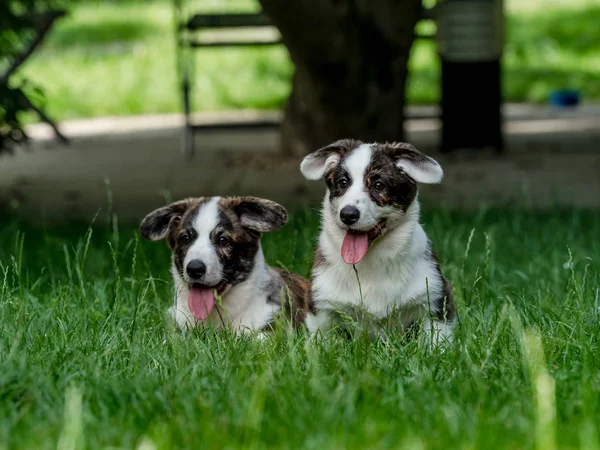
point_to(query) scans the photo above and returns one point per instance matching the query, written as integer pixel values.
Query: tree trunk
(350, 60)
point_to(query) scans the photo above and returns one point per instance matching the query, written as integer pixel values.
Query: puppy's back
(294, 292)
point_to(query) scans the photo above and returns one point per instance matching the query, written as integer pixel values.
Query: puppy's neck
(250, 294)
(405, 225)
(258, 276)
(403, 235)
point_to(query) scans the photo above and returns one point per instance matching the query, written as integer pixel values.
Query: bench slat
(200, 44)
(199, 21)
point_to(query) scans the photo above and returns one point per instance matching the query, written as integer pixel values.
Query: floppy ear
(417, 165)
(259, 214)
(317, 163)
(155, 226)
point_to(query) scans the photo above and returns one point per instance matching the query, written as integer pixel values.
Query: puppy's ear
(417, 165)
(317, 163)
(155, 226)
(259, 214)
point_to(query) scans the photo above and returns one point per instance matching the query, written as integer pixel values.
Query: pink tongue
(201, 302)
(354, 247)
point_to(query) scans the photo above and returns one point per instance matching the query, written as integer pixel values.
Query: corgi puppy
(216, 253)
(372, 252)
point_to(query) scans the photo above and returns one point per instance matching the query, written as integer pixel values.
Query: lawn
(86, 359)
(118, 58)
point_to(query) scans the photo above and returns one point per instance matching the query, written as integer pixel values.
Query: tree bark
(350, 59)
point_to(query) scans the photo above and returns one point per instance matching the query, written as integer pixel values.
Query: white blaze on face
(356, 195)
(202, 248)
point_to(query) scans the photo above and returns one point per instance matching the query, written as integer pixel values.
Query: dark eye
(185, 238)
(342, 183)
(379, 186)
(223, 241)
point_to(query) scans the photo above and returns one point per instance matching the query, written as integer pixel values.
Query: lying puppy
(370, 222)
(215, 245)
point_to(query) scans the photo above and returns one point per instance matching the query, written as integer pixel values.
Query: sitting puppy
(215, 245)
(370, 224)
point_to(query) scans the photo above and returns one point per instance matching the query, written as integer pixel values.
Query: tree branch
(43, 23)
(46, 119)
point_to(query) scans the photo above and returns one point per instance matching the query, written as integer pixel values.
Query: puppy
(370, 224)
(216, 249)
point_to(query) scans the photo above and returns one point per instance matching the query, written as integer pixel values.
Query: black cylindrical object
(470, 41)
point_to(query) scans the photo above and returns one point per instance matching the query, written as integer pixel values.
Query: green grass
(86, 358)
(118, 58)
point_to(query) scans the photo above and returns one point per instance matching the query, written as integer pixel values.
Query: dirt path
(135, 164)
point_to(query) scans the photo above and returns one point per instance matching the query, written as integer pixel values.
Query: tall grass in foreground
(87, 359)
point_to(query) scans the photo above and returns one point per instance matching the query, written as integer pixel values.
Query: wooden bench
(188, 40)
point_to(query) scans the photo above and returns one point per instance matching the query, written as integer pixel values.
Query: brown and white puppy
(215, 243)
(370, 222)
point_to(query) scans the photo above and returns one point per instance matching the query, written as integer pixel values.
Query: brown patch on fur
(340, 147)
(337, 173)
(295, 294)
(319, 259)
(299, 289)
(406, 151)
(444, 306)
(159, 222)
(256, 214)
(236, 246)
(334, 179)
(181, 233)
(386, 183)
(446, 312)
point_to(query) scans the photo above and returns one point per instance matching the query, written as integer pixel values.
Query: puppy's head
(214, 241)
(369, 187)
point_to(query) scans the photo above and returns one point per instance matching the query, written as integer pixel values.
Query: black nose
(196, 268)
(349, 214)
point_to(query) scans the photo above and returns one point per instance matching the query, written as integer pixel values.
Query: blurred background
(94, 97)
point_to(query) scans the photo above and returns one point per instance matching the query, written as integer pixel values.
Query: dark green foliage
(22, 22)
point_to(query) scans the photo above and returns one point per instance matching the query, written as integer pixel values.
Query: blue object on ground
(565, 97)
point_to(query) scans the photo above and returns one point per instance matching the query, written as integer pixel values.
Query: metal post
(188, 132)
(184, 65)
(470, 42)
